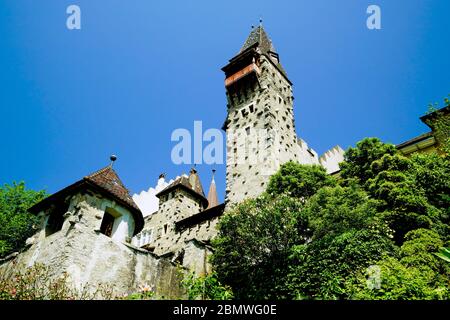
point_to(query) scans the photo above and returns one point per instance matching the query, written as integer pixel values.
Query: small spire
(113, 158)
(212, 193)
(260, 22)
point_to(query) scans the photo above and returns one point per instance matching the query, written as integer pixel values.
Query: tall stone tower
(260, 121)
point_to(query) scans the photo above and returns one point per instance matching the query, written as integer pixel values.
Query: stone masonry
(94, 231)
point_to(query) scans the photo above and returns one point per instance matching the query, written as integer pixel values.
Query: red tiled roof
(108, 180)
(105, 181)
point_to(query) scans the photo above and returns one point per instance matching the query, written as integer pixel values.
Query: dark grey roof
(258, 36)
(259, 39)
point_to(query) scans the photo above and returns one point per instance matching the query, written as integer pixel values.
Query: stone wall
(161, 225)
(91, 258)
(260, 131)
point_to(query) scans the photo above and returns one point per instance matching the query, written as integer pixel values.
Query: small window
(56, 219)
(107, 224)
(247, 130)
(165, 229)
(251, 108)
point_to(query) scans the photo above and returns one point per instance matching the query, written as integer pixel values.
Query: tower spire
(212, 193)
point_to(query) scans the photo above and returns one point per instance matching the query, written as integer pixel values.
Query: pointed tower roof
(212, 193)
(257, 43)
(108, 180)
(258, 37)
(189, 183)
(194, 180)
(105, 181)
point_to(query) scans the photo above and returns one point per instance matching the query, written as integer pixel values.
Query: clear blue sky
(139, 69)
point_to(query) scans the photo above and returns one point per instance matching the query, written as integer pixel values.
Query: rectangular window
(107, 224)
(55, 220)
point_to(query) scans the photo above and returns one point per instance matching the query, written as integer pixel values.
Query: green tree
(300, 181)
(441, 126)
(312, 237)
(205, 287)
(16, 223)
(254, 243)
(335, 210)
(398, 282)
(411, 192)
(346, 237)
(358, 161)
(416, 273)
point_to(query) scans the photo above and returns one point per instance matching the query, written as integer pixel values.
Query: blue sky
(139, 69)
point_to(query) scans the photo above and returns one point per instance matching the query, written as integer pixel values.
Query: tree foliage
(299, 181)
(251, 253)
(16, 223)
(313, 237)
(205, 287)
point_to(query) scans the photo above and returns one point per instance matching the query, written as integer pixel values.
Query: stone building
(85, 231)
(260, 123)
(94, 231)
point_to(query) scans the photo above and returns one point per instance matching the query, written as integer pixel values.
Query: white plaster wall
(124, 223)
(305, 154)
(330, 160)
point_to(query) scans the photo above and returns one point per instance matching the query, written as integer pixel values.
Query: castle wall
(160, 233)
(161, 225)
(330, 160)
(91, 258)
(260, 133)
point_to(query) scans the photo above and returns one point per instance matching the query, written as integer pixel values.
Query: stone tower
(260, 121)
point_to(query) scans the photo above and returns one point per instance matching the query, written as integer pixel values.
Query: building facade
(94, 231)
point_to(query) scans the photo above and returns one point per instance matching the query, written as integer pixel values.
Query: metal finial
(260, 21)
(213, 175)
(113, 158)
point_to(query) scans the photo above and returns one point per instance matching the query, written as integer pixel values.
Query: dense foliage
(38, 283)
(251, 253)
(378, 231)
(16, 223)
(205, 287)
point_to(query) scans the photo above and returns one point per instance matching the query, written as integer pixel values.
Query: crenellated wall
(331, 159)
